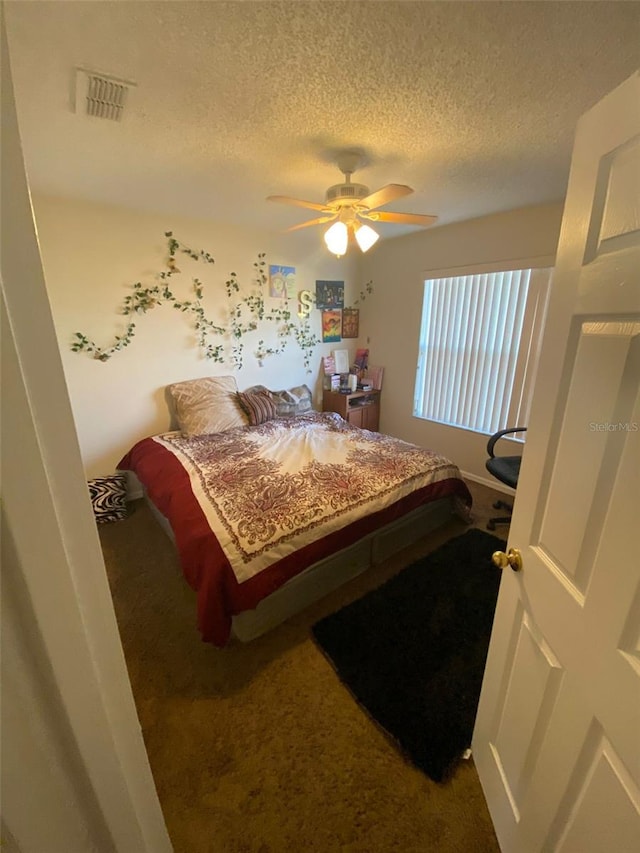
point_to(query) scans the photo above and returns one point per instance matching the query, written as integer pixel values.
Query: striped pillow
(109, 497)
(258, 405)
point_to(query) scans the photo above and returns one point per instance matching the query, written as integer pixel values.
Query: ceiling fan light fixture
(348, 203)
(337, 237)
(366, 237)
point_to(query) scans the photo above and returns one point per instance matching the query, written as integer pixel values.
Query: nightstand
(359, 408)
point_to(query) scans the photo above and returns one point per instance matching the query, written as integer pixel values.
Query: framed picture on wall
(350, 322)
(331, 326)
(282, 281)
(329, 294)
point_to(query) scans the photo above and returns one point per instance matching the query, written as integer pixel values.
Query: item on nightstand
(374, 376)
(362, 360)
(341, 357)
(329, 364)
(335, 382)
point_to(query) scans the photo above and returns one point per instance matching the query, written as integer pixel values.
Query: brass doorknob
(512, 558)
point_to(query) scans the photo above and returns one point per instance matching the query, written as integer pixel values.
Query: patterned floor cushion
(109, 497)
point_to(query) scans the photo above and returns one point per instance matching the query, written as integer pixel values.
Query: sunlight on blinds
(469, 342)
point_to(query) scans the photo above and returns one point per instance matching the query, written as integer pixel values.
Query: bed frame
(326, 575)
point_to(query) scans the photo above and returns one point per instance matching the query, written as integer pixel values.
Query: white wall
(92, 254)
(399, 267)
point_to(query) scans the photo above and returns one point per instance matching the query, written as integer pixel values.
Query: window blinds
(469, 341)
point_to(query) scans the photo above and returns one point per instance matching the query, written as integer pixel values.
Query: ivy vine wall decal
(245, 314)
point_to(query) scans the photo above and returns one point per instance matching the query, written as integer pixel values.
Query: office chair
(504, 468)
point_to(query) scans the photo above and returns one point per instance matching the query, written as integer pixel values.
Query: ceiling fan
(352, 205)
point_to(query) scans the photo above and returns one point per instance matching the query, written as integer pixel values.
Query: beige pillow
(207, 405)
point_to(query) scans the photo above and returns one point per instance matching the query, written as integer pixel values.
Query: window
(479, 343)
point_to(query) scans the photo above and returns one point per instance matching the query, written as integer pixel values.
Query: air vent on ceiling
(101, 95)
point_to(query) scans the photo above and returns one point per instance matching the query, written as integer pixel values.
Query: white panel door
(557, 736)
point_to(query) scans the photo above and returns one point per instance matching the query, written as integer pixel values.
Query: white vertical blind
(469, 342)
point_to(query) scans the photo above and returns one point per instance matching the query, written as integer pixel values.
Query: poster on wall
(331, 326)
(329, 294)
(350, 322)
(282, 281)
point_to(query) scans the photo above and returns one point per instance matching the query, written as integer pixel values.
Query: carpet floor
(258, 748)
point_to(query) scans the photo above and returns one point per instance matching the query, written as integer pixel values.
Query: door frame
(70, 696)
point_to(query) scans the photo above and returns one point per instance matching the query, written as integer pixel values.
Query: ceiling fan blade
(400, 218)
(284, 199)
(384, 195)
(317, 221)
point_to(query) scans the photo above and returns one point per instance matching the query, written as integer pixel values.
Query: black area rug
(413, 651)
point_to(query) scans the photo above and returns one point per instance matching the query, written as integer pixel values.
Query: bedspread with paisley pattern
(278, 496)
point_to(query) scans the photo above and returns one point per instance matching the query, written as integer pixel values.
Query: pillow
(295, 401)
(254, 389)
(109, 497)
(258, 405)
(302, 395)
(207, 405)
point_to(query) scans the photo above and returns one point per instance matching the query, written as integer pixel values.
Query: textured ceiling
(473, 104)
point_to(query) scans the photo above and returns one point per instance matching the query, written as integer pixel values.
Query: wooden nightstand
(360, 408)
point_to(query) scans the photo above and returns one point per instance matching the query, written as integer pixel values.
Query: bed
(272, 512)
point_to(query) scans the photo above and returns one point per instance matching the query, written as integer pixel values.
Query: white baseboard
(491, 484)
